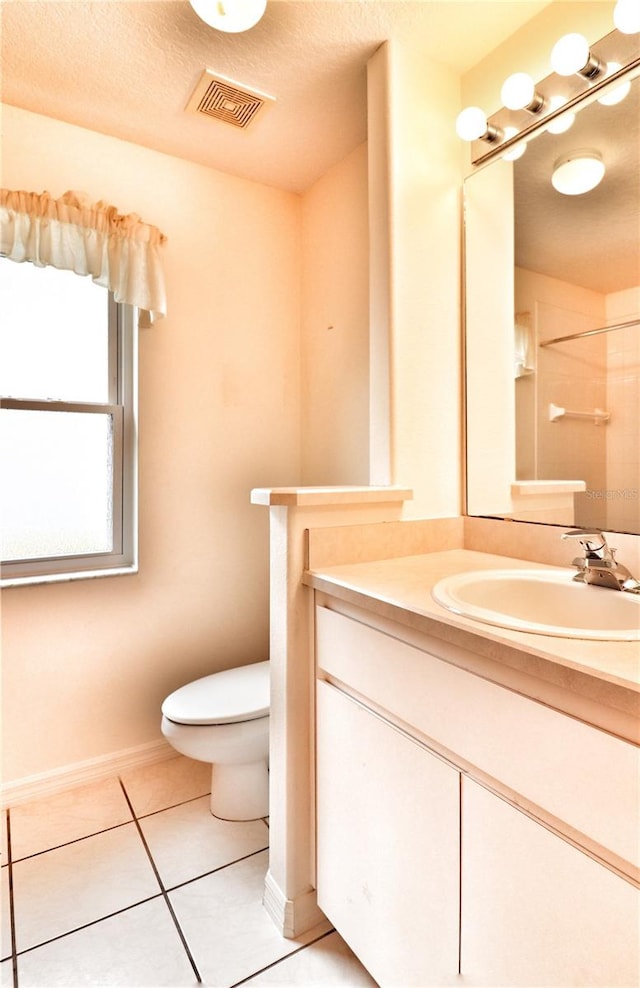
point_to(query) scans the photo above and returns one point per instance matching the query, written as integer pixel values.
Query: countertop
(399, 590)
(297, 497)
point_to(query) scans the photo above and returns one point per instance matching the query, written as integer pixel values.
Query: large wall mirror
(553, 329)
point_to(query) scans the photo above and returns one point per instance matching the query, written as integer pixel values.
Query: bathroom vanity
(477, 789)
(461, 801)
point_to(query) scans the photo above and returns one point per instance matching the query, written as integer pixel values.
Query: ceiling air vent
(221, 98)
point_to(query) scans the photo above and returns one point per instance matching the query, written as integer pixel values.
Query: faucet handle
(584, 533)
(593, 541)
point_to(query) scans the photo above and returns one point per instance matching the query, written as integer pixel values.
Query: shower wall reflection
(594, 377)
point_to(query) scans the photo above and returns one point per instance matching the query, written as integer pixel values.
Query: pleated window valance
(120, 253)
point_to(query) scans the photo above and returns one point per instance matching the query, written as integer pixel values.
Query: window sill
(93, 574)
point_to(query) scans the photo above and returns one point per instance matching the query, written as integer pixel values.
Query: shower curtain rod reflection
(591, 332)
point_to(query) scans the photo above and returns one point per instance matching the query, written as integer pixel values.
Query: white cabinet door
(537, 911)
(388, 845)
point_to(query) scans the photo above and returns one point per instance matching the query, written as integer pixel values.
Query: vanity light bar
(619, 56)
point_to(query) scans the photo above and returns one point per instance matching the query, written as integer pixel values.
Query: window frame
(122, 407)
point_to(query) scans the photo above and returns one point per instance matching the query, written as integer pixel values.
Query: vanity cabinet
(388, 844)
(466, 833)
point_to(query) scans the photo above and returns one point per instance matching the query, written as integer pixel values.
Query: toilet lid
(223, 698)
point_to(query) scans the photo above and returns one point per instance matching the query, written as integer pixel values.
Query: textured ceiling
(591, 240)
(127, 69)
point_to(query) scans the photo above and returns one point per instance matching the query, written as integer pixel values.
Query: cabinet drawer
(578, 773)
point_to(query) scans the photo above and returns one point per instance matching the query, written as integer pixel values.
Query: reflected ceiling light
(626, 16)
(562, 123)
(471, 125)
(519, 93)
(232, 16)
(618, 93)
(578, 173)
(571, 55)
(517, 150)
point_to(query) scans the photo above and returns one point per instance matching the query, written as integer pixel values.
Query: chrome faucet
(598, 567)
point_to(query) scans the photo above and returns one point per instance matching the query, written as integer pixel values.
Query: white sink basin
(542, 602)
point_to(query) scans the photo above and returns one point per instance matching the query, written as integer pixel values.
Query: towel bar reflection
(597, 416)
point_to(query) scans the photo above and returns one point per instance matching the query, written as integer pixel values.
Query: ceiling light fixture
(231, 16)
(578, 173)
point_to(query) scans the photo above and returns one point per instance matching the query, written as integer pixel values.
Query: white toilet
(224, 719)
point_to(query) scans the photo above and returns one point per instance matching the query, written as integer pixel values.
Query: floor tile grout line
(165, 895)
(280, 960)
(214, 871)
(76, 840)
(106, 830)
(12, 912)
(163, 892)
(173, 806)
(185, 802)
(86, 926)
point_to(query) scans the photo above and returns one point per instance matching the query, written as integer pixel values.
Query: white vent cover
(224, 99)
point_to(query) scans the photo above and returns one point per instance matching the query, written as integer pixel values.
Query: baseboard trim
(293, 917)
(83, 773)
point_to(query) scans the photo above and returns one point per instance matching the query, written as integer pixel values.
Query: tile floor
(132, 882)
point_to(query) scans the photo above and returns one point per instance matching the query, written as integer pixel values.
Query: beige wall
(86, 665)
(335, 326)
(422, 216)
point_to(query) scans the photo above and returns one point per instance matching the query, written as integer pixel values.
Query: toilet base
(240, 792)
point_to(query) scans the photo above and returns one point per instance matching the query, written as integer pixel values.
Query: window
(67, 426)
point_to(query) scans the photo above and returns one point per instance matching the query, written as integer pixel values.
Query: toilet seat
(227, 697)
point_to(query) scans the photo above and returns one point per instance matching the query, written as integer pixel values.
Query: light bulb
(570, 54)
(232, 16)
(578, 173)
(519, 92)
(471, 124)
(618, 93)
(626, 16)
(517, 150)
(562, 123)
